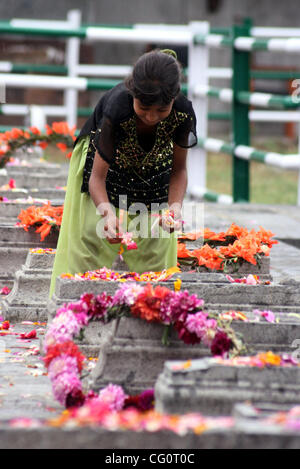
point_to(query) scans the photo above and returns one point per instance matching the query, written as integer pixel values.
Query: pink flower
(177, 305)
(132, 245)
(268, 315)
(114, 396)
(127, 294)
(5, 291)
(65, 384)
(62, 364)
(63, 328)
(204, 328)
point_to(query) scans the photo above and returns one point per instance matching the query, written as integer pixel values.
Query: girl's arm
(178, 180)
(97, 189)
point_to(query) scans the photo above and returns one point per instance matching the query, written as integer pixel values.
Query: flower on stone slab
(114, 396)
(221, 344)
(147, 305)
(127, 294)
(177, 305)
(202, 326)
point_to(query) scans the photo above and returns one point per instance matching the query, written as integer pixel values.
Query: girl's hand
(112, 229)
(171, 220)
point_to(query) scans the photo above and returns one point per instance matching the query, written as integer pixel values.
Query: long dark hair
(155, 78)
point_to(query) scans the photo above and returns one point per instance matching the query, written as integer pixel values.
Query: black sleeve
(185, 135)
(103, 140)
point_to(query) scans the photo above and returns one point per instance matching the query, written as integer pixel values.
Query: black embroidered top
(140, 165)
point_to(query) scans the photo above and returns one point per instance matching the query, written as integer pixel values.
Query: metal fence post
(240, 111)
(72, 61)
(198, 63)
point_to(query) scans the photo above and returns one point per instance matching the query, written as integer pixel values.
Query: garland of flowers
(224, 249)
(176, 309)
(59, 133)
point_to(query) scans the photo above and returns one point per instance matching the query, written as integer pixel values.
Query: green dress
(80, 248)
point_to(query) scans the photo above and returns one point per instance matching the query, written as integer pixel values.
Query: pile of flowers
(261, 360)
(114, 276)
(96, 412)
(23, 200)
(177, 309)
(58, 133)
(42, 251)
(45, 218)
(224, 249)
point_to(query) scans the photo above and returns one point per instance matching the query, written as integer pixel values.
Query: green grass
(268, 185)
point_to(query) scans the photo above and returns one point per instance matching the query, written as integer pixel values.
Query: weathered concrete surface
(11, 259)
(217, 296)
(256, 437)
(28, 298)
(42, 193)
(11, 210)
(30, 168)
(283, 336)
(36, 180)
(283, 264)
(16, 236)
(214, 389)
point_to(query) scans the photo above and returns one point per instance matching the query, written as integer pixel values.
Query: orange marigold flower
(182, 251)
(236, 231)
(61, 128)
(16, 133)
(43, 145)
(147, 305)
(209, 257)
(269, 358)
(62, 146)
(34, 130)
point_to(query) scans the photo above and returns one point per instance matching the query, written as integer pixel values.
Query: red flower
(189, 338)
(5, 325)
(147, 305)
(29, 335)
(43, 145)
(5, 291)
(75, 399)
(68, 348)
(220, 344)
(12, 183)
(62, 146)
(131, 401)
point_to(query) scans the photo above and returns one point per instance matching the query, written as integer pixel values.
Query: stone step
(31, 168)
(36, 180)
(29, 295)
(254, 435)
(132, 355)
(21, 193)
(16, 236)
(213, 389)
(11, 210)
(11, 259)
(216, 291)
